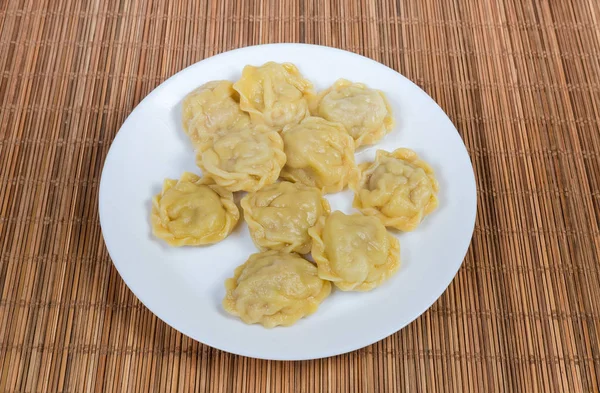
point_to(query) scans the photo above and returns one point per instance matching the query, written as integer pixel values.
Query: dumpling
(192, 211)
(319, 154)
(364, 112)
(274, 93)
(398, 188)
(355, 252)
(210, 110)
(280, 214)
(244, 160)
(274, 288)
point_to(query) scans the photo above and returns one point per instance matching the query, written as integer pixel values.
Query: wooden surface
(519, 78)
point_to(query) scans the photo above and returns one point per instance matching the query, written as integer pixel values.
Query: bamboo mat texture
(519, 78)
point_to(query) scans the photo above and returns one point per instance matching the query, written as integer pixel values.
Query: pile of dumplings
(271, 136)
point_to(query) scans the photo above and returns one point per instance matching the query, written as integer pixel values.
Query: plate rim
(323, 354)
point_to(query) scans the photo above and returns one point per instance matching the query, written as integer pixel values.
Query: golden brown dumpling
(274, 288)
(280, 214)
(192, 211)
(211, 110)
(355, 252)
(398, 188)
(274, 93)
(244, 160)
(319, 154)
(364, 112)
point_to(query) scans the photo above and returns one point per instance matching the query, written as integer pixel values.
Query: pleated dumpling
(211, 110)
(355, 252)
(274, 288)
(319, 154)
(365, 112)
(280, 214)
(398, 188)
(192, 211)
(244, 159)
(274, 94)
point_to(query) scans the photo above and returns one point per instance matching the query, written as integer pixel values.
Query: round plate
(184, 286)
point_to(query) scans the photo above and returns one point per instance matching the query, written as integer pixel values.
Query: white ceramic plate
(184, 286)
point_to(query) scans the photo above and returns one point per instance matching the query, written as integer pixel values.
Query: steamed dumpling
(355, 252)
(192, 211)
(319, 154)
(211, 110)
(275, 94)
(398, 188)
(280, 214)
(244, 160)
(274, 288)
(364, 112)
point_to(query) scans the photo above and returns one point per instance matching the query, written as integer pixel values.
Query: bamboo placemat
(519, 78)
